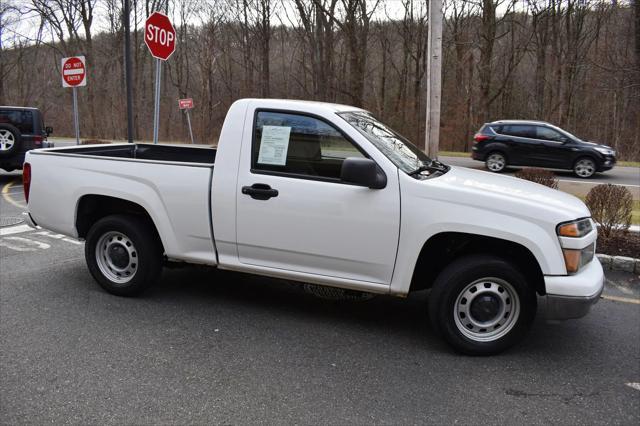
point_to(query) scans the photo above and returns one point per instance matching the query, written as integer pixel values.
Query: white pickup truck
(326, 194)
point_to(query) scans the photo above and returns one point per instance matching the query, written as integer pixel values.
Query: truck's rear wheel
(124, 254)
(481, 305)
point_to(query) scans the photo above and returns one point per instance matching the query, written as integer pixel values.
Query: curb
(619, 263)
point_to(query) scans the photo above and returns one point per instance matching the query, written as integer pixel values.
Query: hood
(592, 144)
(516, 196)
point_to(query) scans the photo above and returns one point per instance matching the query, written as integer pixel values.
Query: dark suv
(21, 129)
(535, 143)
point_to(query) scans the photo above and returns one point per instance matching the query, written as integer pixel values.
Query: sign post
(160, 38)
(186, 105)
(74, 75)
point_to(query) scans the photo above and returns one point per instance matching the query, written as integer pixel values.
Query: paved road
(207, 346)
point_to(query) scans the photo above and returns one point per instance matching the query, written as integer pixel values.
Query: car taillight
(38, 140)
(479, 137)
(26, 180)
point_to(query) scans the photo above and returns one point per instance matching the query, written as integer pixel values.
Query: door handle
(260, 191)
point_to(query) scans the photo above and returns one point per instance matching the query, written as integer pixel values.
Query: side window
(5, 116)
(300, 145)
(548, 134)
(519, 130)
(23, 120)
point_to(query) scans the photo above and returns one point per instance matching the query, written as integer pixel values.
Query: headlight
(576, 259)
(605, 151)
(576, 229)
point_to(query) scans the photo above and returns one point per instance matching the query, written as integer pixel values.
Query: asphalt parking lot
(207, 346)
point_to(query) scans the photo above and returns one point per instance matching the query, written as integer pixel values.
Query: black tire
(10, 140)
(143, 257)
(447, 296)
(585, 167)
(496, 161)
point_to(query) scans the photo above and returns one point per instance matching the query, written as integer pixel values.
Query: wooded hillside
(575, 63)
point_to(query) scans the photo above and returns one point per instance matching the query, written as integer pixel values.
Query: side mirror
(48, 130)
(364, 172)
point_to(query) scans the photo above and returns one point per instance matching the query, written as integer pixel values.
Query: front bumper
(608, 163)
(572, 296)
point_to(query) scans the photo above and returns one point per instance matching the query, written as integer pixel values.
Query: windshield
(406, 156)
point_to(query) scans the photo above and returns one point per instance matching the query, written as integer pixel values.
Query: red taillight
(26, 180)
(479, 137)
(38, 140)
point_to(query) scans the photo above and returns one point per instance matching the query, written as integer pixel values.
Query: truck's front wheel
(481, 305)
(124, 254)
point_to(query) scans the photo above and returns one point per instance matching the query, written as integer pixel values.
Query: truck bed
(171, 183)
(138, 151)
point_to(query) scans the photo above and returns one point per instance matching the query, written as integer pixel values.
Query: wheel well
(92, 208)
(441, 249)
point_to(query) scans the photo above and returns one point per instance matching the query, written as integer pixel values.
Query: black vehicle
(21, 129)
(538, 144)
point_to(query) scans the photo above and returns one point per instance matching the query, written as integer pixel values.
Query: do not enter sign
(74, 73)
(160, 36)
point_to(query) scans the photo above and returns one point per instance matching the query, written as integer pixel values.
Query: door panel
(323, 228)
(315, 224)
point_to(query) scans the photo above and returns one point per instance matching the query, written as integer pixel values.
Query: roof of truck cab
(284, 103)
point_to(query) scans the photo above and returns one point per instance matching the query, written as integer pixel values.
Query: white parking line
(26, 244)
(15, 230)
(23, 244)
(57, 237)
(635, 386)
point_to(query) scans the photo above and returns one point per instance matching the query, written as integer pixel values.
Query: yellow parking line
(7, 196)
(621, 299)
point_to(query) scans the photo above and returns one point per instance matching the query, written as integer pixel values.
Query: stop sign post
(160, 38)
(74, 75)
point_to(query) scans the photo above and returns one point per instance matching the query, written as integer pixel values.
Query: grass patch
(628, 163)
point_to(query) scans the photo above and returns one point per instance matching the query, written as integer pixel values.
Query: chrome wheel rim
(7, 140)
(585, 168)
(487, 309)
(117, 257)
(496, 162)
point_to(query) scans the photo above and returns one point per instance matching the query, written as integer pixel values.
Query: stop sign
(160, 36)
(74, 72)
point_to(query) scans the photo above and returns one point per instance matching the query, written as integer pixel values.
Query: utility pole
(434, 79)
(127, 68)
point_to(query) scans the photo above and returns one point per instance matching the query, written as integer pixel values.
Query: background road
(214, 346)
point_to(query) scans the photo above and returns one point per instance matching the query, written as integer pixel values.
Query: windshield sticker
(274, 145)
